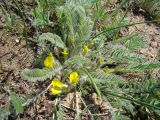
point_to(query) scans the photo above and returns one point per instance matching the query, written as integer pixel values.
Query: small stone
(155, 73)
(5, 66)
(157, 38)
(142, 51)
(17, 41)
(154, 44)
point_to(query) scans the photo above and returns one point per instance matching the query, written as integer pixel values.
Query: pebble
(17, 41)
(154, 44)
(143, 50)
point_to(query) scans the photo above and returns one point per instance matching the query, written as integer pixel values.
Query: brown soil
(151, 32)
(14, 57)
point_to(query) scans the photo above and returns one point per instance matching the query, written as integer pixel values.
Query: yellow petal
(107, 71)
(85, 49)
(74, 78)
(55, 91)
(57, 83)
(65, 53)
(49, 61)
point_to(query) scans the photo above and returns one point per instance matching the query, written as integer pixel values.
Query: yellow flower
(58, 86)
(107, 71)
(65, 53)
(49, 61)
(85, 49)
(73, 78)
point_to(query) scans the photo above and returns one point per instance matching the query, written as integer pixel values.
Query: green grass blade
(132, 24)
(15, 100)
(93, 83)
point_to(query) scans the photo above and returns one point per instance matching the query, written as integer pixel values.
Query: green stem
(20, 11)
(97, 12)
(114, 13)
(93, 83)
(133, 100)
(110, 29)
(117, 31)
(7, 8)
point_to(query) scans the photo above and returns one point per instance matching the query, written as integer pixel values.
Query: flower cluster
(58, 87)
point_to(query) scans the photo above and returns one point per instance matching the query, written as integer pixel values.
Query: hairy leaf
(108, 79)
(76, 22)
(53, 38)
(121, 54)
(133, 41)
(40, 74)
(77, 60)
(146, 65)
